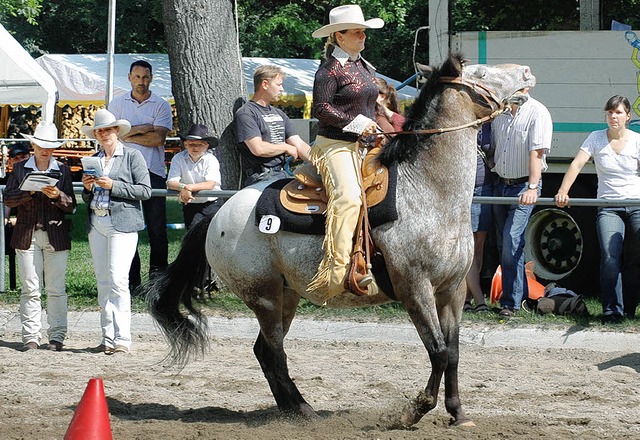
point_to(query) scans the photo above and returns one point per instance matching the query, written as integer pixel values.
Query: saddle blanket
(271, 216)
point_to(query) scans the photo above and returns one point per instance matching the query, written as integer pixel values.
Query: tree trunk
(206, 72)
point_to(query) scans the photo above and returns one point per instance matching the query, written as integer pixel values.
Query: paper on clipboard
(36, 180)
(92, 165)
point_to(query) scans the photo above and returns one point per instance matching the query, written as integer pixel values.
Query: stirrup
(364, 280)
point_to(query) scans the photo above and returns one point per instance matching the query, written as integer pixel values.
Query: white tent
(81, 79)
(22, 80)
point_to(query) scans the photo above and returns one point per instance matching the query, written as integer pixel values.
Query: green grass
(81, 288)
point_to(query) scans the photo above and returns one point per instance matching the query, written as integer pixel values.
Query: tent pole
(111, 42)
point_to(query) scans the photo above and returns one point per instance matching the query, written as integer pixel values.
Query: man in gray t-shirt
(264, 133)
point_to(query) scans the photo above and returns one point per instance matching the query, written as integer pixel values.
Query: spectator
(264, 133)
(196, 169)
(344, 101)
(41, 239)
(481, 219)
(115, 217)
(615, 151)
(388, 115)
(151, 119)
(521, 139)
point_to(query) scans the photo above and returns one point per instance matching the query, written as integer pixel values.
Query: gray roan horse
(427, 250)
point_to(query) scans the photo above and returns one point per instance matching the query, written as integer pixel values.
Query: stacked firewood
(23, 119)
(71, 121)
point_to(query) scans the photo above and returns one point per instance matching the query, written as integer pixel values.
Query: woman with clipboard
(114, 191)
(41, 237)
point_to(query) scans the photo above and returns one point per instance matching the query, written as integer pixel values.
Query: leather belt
(517, 181)
(101, 212)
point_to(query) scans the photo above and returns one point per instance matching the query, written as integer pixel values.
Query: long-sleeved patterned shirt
(342, 90)
(38, 210)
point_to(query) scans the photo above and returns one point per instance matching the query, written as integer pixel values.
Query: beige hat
(45, 136)
(104, 119)
(346, 17)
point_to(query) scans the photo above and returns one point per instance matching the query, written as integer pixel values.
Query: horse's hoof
(307, 411)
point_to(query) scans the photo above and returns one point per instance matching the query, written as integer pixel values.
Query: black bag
(560, 301)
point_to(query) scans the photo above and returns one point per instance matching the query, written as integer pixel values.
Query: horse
(427, 250)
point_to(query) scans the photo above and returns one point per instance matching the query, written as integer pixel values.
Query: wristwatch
(533, 185)
(182, 185)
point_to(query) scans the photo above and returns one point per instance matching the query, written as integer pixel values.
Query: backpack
(559, 301)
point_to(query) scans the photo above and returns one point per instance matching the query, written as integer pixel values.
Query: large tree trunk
(206, 72)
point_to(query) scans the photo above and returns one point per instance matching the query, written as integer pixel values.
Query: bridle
(490, 98)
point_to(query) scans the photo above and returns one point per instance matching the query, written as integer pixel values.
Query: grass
(81, 288)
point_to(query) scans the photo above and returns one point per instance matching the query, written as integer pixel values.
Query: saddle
(306, 193)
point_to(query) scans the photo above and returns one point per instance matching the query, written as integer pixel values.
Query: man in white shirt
(521, 139)
(151, 119)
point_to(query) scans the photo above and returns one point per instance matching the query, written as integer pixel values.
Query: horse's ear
(453, 65)
(424, 72)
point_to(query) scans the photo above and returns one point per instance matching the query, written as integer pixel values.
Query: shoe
(55, 345)
(612, 319)
(30, 346)
(467, 307)
(481, 308)
(120, 349)
(507, 312)
(101, 349)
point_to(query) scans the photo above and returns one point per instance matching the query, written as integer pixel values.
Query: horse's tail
(169, 289)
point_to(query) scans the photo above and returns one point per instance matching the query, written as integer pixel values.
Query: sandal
(467, 307)
(480, 308)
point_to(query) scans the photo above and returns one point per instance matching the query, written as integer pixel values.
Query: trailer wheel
(554, 243)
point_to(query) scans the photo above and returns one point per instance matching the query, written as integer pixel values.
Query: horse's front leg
(275, 319)
(437, 321)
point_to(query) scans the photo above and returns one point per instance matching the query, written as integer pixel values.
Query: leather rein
(479, 89)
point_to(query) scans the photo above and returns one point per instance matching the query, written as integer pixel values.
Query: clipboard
(36, 180)
(92, 165)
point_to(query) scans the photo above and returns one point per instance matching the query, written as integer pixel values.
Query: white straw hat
(104, 119)
(346, 17)
(45, 135)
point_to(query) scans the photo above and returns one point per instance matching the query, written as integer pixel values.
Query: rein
(487, 94)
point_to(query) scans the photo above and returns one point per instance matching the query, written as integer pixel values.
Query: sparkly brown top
(342, 90)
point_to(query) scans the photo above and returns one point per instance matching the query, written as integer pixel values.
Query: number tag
(269, 224)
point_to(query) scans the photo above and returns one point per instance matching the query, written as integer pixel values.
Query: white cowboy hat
(45, 136)
(104, 119)
(346, 17)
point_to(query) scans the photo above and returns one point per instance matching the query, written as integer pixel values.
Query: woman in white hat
(41, 238)
(115, 217)
(344, 101)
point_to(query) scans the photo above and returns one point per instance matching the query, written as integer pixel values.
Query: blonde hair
(330, 45)
(267, 72)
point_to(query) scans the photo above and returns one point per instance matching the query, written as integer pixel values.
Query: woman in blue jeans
(615, 152)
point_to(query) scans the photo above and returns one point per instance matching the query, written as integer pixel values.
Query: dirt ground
(510, 392)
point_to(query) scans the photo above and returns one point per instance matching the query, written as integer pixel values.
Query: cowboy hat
(105, 119)
(199, 132)
(45, 135)
(346, 17)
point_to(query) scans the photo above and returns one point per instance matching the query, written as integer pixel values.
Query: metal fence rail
(543, 201)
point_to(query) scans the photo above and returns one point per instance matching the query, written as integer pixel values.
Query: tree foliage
(282, 28)
(25, 9)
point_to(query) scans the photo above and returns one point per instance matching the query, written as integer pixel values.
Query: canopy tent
(81, 79)
(22, 80)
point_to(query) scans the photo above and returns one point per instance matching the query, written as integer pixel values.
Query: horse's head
(505, 81)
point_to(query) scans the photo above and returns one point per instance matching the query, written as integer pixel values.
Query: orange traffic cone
(91, 419)
(536, 290)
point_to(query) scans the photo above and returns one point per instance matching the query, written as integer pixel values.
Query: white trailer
(576, 71)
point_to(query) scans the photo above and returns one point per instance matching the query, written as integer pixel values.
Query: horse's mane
(405, 147)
